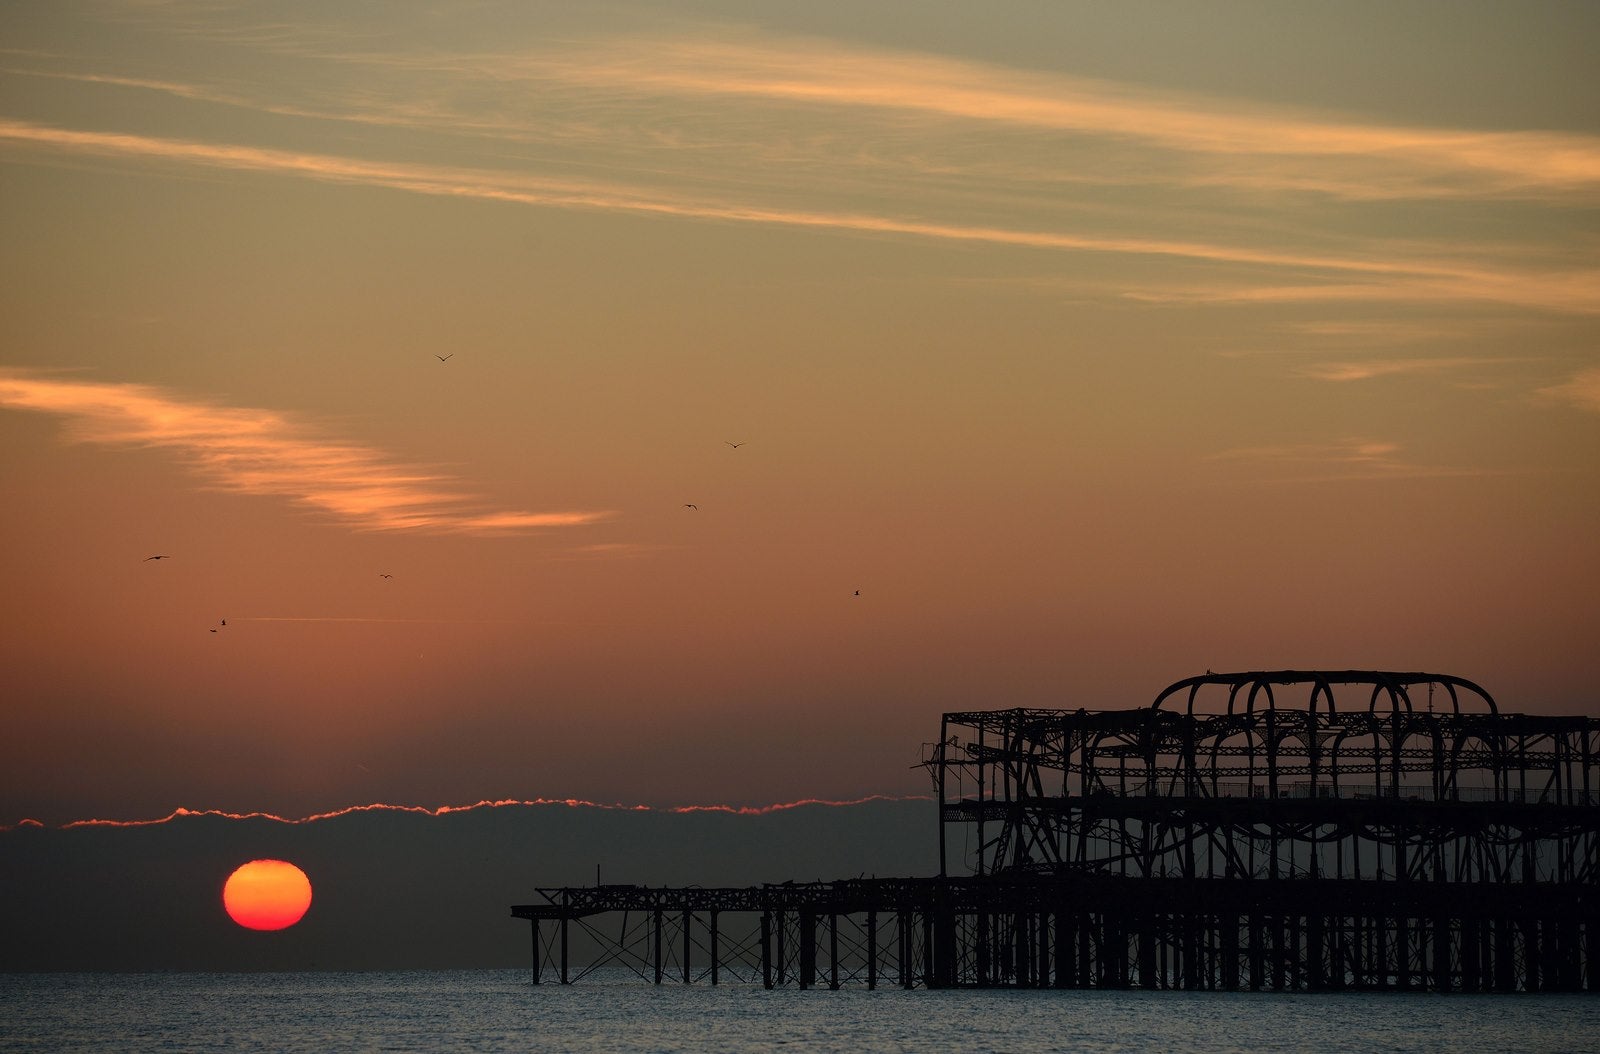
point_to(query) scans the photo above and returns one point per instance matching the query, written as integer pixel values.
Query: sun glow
(267, 895)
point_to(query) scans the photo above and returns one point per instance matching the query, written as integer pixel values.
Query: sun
(267, 895)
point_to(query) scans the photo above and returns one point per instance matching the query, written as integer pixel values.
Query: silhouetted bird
(382, 575)
(857, 593)
(224, 622)
(688, 506)
(444, 358)
(149, 558)
(735, 446)
(213, 631)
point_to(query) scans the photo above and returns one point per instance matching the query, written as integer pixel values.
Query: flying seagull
(688, 506)
(735, 446)
(224, 622)
(149, 558)
(382, 575)
(857, 593)
(444, 358)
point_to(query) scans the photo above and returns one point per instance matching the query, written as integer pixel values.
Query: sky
(688, 402)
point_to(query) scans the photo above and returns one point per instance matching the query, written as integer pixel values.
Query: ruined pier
(1282, 830)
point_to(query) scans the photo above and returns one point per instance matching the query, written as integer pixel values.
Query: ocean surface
(498, 1010)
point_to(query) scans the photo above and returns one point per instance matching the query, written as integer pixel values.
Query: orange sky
(1095, 345)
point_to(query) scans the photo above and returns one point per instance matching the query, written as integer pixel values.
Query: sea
(487, 1011)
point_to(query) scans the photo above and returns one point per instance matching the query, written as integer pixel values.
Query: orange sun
(267, 895)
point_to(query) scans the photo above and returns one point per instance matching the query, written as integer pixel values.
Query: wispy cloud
(1415, 275)
(870, 94)
(254, 451)
(1345, 459)
(1369, 369)
(1581, 390)
(1254, 146)
(882, 107)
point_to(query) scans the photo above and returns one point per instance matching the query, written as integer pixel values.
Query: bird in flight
(735, 446)
(857, 593)
(444, 358)
(224, 622)
(382, 575)
(149, 558)
(688, 506)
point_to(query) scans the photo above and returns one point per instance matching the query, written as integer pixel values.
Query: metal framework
(1288, 830)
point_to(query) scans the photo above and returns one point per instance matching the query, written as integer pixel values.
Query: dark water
(491, 1011)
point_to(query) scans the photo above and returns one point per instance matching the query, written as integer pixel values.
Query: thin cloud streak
(1219, 142)
(1342, 372)
(1581, 391)
(1352, 459)
(446, 810)
(1264, 148)
(262, 452)
(1564, 292)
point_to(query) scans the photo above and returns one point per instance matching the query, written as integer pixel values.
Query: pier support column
(1532, 954)
(1066, 977)
(1314, 954)
(534, 925)
(686, 921)
(981, 947)
(1146, 938)
(564, 979)
(872, 950)
(1591, 953)
(1041, 976)
(766, 949)
(1505, 974)
(656, 918)
(808, 948)
(1084, 935)
(903, 935)
(1228, 925)
(1258, 959)
(783, 965)
(833, 950)
(1441, 954)
(1402, 953)
(716, 963)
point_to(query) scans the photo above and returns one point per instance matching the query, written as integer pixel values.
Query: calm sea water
(492, 1011)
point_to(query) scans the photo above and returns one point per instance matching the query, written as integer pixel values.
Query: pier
(1282, 831)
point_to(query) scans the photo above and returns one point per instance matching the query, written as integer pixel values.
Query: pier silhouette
(1281, 830)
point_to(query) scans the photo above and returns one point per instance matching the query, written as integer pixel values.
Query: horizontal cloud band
(253, 451)
(1414, 277)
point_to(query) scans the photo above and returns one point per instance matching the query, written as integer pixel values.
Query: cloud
(810, 96)
(1408, 281)
(446, 810)
(1345, 459)
(1368, 369)
(1400, 276)
(253, 451)
(1253, 146)
(1581, 390)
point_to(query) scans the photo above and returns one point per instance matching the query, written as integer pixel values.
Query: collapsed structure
(1284, 830)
